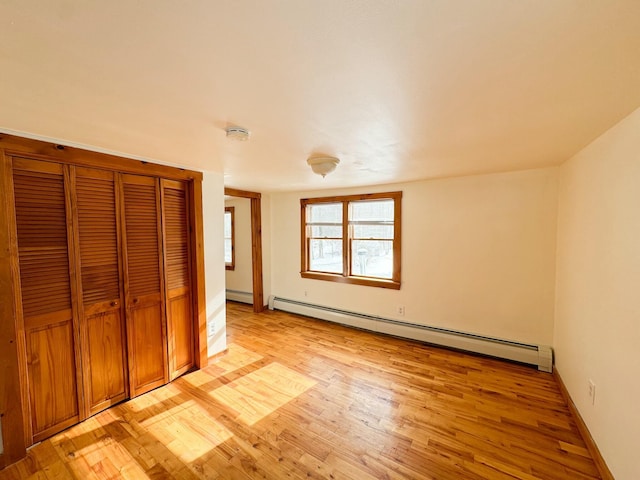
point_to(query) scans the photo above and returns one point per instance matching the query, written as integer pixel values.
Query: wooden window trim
(231, 265)
(346, 277)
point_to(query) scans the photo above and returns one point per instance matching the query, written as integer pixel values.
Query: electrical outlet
(211, 329)
(400, 310)
(306, 293)
(592, 392)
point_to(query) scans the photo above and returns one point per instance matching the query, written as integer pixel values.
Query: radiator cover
(538, 355)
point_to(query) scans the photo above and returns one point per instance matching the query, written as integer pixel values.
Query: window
(229, 239)
(352, 239)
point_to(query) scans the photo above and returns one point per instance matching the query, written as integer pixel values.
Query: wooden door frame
(256, 243)
(11, 391)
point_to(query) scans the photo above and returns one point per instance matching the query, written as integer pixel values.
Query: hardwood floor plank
(57, 471)
(299, 398)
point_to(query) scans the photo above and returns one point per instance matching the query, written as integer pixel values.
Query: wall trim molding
(598, 459)
(239, 296)
(540, 356)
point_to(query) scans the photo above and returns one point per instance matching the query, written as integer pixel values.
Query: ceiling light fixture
(323, 165)
(238, 133)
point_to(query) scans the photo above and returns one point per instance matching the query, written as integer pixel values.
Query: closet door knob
(135, 300)
(114, 303)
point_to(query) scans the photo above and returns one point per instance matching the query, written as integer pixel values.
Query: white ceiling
(399, 90)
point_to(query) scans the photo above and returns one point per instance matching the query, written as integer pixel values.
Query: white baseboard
(238, 296)
(538, 355)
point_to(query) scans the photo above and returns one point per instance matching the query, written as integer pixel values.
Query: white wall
(213, 218)
(241, 278)
(478, 255)
(597, 334)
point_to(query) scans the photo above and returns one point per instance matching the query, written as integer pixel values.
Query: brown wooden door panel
(148, 344)
(178, 277)
(107, 367)
(100, 288)
(52, 379)
(144, 284)
(48, 324)
(181, 333)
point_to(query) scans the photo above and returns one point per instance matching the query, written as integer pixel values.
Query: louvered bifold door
(144, 284)
(50, 327)
(178, 277)
(100, 288)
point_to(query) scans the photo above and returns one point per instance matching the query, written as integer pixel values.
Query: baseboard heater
(239, 296)
(538, 355)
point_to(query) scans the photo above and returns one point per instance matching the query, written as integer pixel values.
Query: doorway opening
(256, 243)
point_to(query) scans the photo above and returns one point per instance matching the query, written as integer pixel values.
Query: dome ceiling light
(323, 165)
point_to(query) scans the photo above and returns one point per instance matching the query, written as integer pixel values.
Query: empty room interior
(347, 239)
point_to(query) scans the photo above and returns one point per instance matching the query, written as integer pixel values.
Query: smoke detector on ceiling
(238, 133)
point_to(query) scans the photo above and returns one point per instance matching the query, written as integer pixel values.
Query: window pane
(324, 231)
(367, 223)
(371, 210)
(372, 258)
(324, 213)
(373, 231)
(326, 256)
(227, 250)
(227, 225)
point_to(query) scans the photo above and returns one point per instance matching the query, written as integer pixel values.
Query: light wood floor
(299, 398)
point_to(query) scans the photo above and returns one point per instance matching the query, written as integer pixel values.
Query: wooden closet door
(178, 277)
(100, 288)
(144, 284)
(47, 293)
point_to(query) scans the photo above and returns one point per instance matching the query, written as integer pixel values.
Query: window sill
(368, 282)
